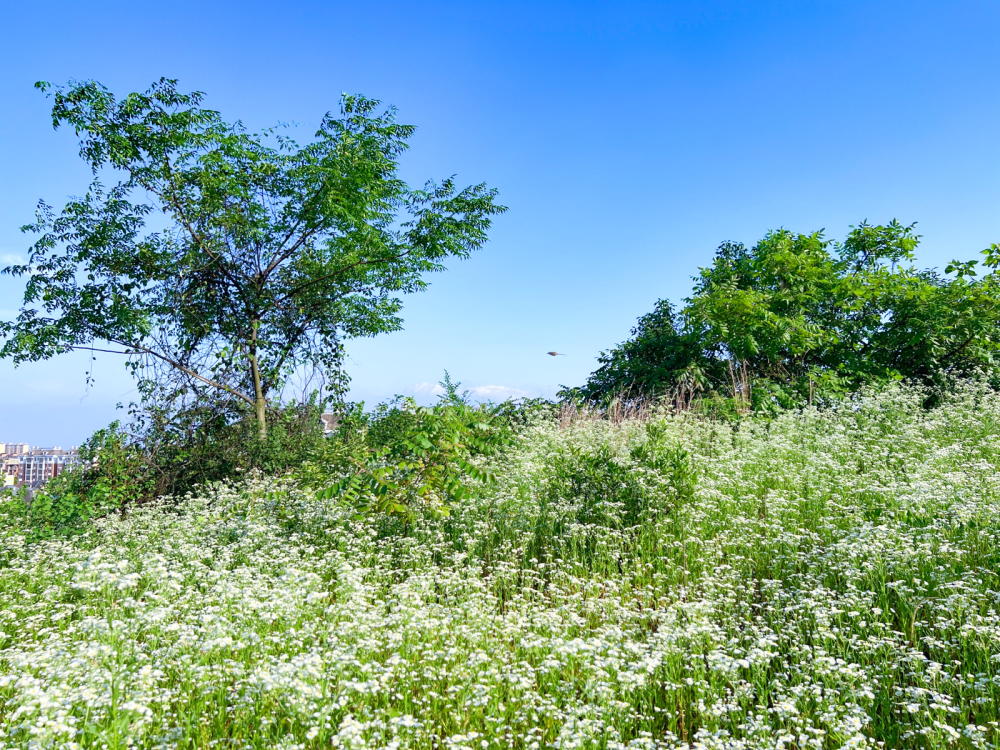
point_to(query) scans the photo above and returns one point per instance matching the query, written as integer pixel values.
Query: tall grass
(822, 579)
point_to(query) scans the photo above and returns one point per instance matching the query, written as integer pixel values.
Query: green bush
(419, 460)
(114, 475)
(800, 320)
(210, 444)
(406, 459)
(160, 454)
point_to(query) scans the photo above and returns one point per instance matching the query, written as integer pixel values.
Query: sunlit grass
(820, 580)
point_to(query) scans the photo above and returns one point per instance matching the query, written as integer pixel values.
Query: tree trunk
(258, 393)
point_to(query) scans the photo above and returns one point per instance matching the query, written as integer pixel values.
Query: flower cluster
(830, 579)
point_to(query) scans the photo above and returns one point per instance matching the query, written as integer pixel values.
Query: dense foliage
(398, 458)
(221, 260)
(798, 318)
(407, 459)
(820, 579)
(156, 454)
(116, 476)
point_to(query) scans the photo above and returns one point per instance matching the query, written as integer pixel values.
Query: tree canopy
(797, 316)
(218, 260)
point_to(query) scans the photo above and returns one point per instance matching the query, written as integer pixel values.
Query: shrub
(114, 474)
(215, 443)
(407, 459)
(160, 454)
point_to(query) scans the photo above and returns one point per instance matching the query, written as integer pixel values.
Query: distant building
(330, 423)
(37, 465)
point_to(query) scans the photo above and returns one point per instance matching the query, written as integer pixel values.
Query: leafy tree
(660, 356)
(798, 317)
(220, 260)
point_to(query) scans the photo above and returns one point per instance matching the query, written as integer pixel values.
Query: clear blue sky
(628, 140)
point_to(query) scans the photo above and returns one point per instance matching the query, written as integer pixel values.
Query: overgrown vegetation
(116, 477)
(159, 454)
(741, 532)
(820, 578)
(399, 459)
(410, 460)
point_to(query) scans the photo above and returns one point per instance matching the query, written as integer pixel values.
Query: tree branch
(173, 363)
(311, 282)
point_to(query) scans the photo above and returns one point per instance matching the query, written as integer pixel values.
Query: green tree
(798, 316)
(661, 358)
(219, 260)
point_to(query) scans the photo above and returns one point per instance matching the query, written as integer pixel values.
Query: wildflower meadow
(816, 579)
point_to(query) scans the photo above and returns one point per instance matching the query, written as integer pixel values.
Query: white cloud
(428, 389)
(481, 392)
(497, 392)
(10, 259)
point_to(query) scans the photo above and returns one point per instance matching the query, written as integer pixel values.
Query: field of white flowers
(819, 580)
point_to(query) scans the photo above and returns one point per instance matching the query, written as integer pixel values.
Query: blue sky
(628, 139)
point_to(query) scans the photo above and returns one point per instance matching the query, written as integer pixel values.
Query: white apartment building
(38, 464)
